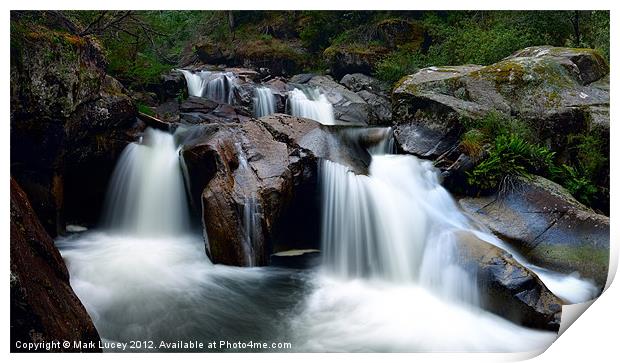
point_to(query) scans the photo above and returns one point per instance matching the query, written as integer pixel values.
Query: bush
(398, 64)
(510, 156)
(514, 152)
(579, 185)
(495, 123)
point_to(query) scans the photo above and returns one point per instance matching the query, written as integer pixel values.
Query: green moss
(508, 71)
(575, 256)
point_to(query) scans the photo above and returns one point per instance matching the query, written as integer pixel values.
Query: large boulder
(507, 288)
(548, 226)
(245, 181)
(94, 137)
(255, 183)
(172, 85)
(66, 113)
(551, 89)
(44, 308)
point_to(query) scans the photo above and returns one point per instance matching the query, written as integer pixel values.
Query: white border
(592, 338)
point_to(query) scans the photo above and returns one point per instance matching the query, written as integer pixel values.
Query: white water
(216, 86)
(311, 104)
(264, 102)
(399, 224)
(147, 277)
(146, 195)
(396, 224)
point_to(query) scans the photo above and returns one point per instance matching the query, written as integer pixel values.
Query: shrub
(398, 64)
(579, 185)
(510, 156)
(495, 123)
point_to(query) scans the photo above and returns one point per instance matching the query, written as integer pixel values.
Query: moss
(596, 258)
(507, 71)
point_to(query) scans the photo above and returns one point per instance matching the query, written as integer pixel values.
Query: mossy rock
(395, 32)
(353, 58)
(544, 86)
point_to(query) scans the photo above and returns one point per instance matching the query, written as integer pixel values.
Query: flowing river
(386, 281)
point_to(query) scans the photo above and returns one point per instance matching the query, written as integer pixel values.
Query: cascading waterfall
(399, 224)
(388, 281)
(137, 205)
(380, 225)
(264, 102)
(216, 86)
(196, 83)
(312, 104)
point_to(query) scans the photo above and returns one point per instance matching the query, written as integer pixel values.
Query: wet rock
(507, 288)
(168, 111)
(43, 305)
(299, 259)
(238, 170)
(95, 135)
(548, 226)
(262, 173)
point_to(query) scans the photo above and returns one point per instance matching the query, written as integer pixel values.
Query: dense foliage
(507, 149)
(139, 50)
(141, 45)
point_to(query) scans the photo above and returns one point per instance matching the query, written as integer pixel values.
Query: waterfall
(397, 223)
(146, 195)
(264, 102)
(216, 86)
(311, 104)
(251, 227)
(196, 84)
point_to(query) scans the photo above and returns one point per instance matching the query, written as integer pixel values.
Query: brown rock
(44, 308)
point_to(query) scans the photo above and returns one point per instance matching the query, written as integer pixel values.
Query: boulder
(507, 288)
(44, 307)
(278, 56)
(548, 226)
(549, 88)
(375, 93)
(396, 32)
(172, 85)
(246, 181)
(256, 183)
(210, 52)
(360, 82)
